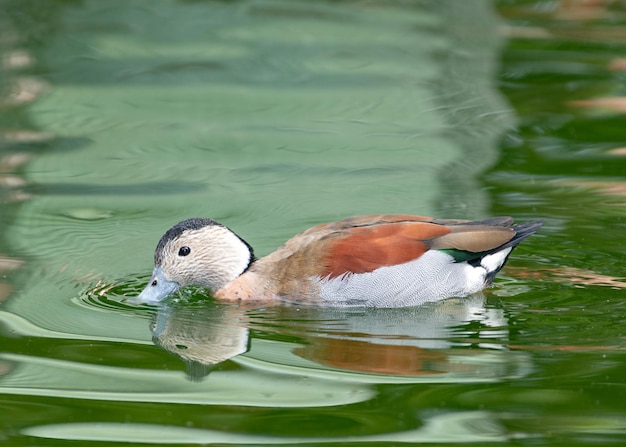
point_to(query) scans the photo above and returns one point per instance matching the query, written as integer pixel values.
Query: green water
(118, 119)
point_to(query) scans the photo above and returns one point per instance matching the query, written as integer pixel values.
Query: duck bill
(158, 288)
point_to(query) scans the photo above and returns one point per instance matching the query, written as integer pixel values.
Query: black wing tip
(522, 231)
(526, 229)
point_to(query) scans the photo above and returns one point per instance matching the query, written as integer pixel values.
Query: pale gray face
(198, 252)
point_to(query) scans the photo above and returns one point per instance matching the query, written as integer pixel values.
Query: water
(119, 119)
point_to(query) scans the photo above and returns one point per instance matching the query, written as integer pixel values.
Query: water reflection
(451, 340)
(202, 336)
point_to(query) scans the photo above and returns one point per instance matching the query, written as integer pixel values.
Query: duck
(381, 260)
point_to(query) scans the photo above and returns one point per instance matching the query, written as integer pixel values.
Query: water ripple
(113, 296)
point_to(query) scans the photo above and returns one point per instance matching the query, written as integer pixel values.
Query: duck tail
(495, 260)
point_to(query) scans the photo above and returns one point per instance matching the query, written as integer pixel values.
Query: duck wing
(366, 243)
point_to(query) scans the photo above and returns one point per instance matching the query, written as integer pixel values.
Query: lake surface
(118, 119)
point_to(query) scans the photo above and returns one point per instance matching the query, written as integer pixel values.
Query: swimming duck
(384, 260)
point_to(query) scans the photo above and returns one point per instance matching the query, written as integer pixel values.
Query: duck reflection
(424, 340)
(202, 336)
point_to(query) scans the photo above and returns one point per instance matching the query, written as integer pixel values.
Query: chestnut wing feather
(361, 249)
(364, 249)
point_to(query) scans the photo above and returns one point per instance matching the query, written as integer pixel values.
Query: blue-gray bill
(158, 288)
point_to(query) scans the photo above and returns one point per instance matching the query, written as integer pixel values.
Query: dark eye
(154, 283)
(184, 251)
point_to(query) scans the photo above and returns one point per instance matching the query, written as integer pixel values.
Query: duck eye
(184, 251)
(155, 282)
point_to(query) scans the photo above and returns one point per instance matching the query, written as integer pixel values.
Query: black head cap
(194, 223)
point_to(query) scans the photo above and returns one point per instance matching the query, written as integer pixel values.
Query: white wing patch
(495, 260)
(432, 277)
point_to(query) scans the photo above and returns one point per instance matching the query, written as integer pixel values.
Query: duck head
(196, 252)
